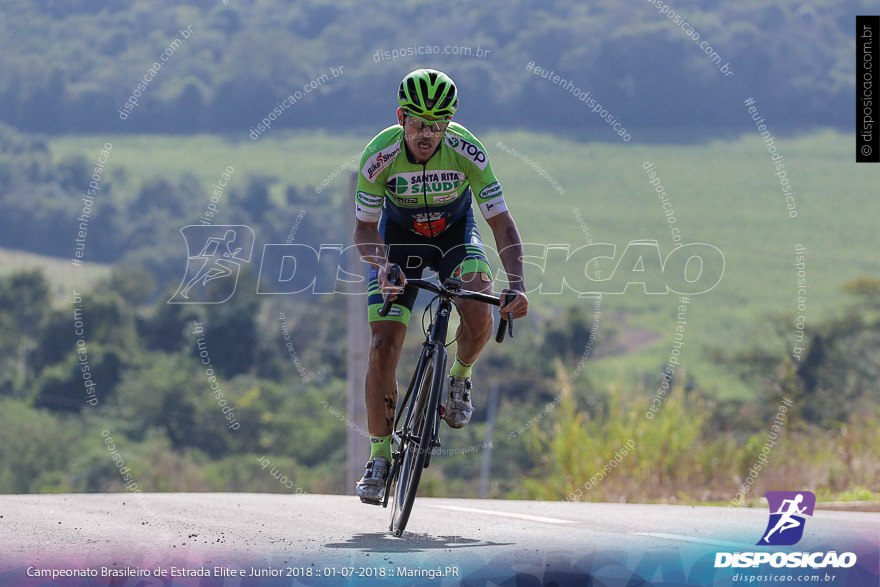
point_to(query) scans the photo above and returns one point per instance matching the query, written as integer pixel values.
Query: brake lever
(509, 297)
(394, 278)
(499, 337)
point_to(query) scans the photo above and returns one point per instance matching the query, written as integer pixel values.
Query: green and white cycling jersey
(426, 198)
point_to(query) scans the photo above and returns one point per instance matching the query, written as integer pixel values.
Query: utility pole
(490, 429)
(357, 442)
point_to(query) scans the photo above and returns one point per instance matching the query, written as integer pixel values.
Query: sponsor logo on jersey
(365, 213)
(370, 200)
(430, 182)
(379, 161)
(434, 187)
(446, 198)
(469, 150)
(397, 184)
(400, 200)
(435, 227)
(422, 217)
(493, 207)
(493, 190)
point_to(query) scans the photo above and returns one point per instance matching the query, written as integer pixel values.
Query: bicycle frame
(407, 465)
(433, 350)
(417, 439)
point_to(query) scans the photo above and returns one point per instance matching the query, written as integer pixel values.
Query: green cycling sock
(460, 368)
(380, 446)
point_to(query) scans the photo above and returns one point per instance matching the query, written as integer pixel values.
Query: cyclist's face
(421, 140)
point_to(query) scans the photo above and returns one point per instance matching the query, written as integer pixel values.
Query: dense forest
(644, 61)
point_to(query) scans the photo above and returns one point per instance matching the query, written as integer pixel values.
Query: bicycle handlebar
(504, 327)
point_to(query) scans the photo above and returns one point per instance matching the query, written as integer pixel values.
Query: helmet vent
(413, 93)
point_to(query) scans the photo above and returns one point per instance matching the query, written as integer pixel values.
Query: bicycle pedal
(442, 411)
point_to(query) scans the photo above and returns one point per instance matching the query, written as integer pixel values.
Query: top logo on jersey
(379, 161)
(469, 150)
(788, 513)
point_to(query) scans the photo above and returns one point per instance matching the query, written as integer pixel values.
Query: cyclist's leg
(388, 333)
(476, 318)
(466, 260)
(381, 384)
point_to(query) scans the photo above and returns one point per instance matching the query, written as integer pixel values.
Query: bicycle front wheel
(416, 444)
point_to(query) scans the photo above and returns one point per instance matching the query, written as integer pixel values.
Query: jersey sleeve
(368, 206)
(484, 184)
(369, 193)
(375, 161)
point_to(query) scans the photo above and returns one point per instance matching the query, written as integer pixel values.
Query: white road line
(505, 514)
(749, 547)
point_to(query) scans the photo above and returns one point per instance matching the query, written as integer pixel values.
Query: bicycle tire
(414, 455)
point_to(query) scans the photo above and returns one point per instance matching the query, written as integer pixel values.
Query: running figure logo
(788, 513)
(221, 251)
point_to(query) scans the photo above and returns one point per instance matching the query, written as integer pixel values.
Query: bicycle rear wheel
(417, 444)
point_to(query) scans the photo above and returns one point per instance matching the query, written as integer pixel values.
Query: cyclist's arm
(373, 250)
(369, 243)
(510, 249)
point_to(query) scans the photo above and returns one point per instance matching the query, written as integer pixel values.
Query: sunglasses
(433, 125)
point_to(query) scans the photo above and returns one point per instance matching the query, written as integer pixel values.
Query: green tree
(24, 310)
(834, 376)
(34, 444)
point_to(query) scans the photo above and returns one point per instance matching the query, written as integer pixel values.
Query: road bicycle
(423, 402)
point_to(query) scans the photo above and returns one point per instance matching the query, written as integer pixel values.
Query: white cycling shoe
(459, 408)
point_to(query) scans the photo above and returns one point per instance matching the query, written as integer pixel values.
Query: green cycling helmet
(424, 86)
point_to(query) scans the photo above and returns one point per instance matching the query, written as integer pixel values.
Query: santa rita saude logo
(788, 511)
(432, 182)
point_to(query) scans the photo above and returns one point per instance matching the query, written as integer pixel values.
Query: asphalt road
(280, 531)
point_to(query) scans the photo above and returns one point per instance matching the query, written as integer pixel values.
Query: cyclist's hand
(386, 286)
(519, 306)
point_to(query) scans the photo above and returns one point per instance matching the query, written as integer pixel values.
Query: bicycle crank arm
(392, 474)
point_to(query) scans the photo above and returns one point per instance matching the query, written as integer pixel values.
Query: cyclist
(413, 203)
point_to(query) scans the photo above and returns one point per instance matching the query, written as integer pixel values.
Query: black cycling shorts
(454, 252)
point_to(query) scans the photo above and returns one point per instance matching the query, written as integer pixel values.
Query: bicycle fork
(437, 338)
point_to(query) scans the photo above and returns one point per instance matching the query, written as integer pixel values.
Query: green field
(62, 276)
(723, 193)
